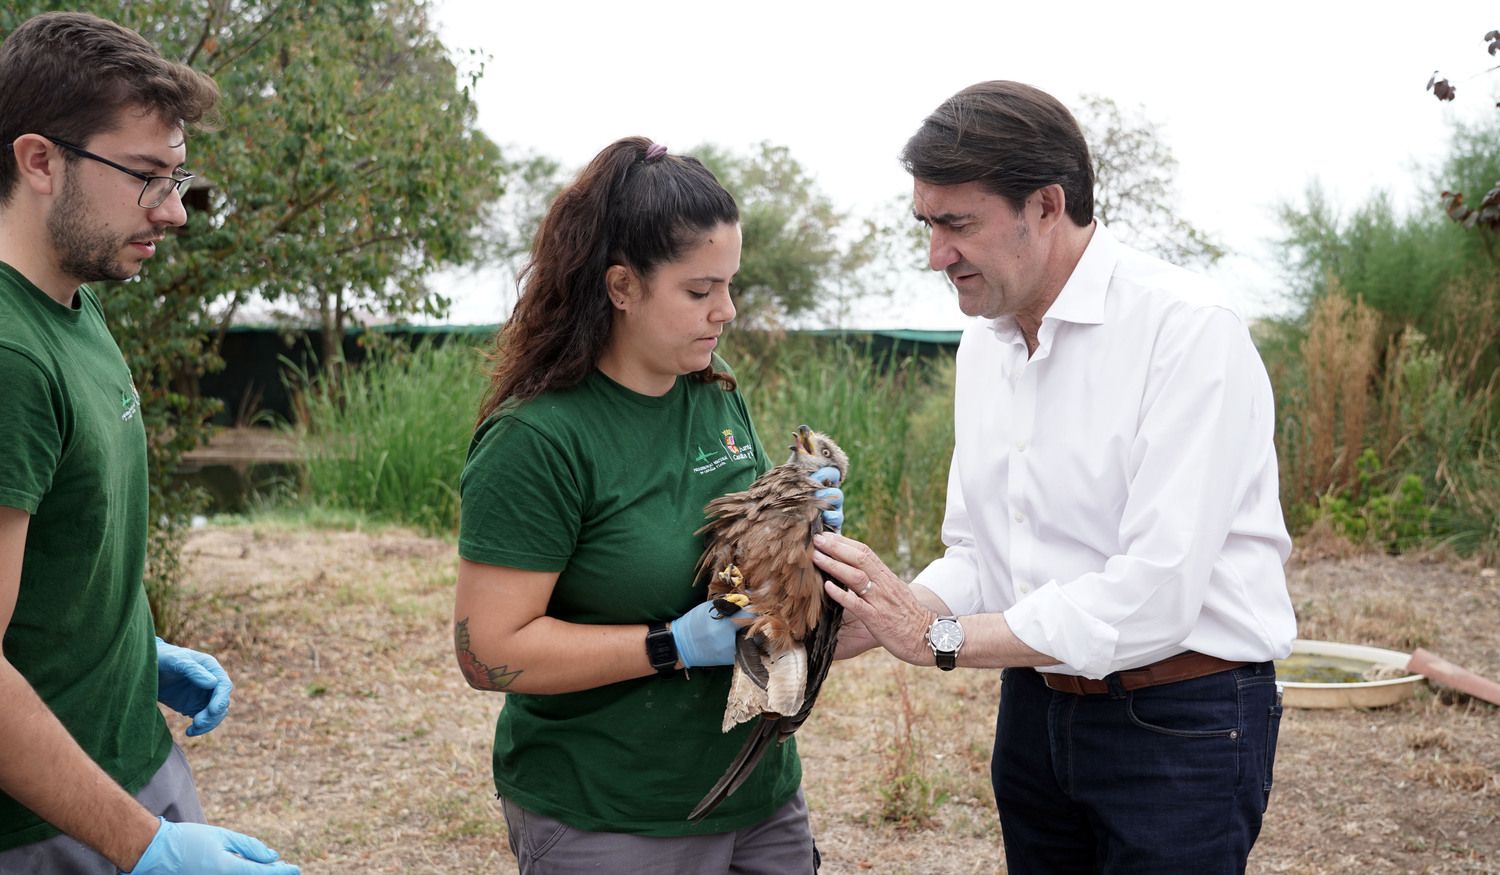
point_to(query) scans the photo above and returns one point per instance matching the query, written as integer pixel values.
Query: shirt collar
(1082, 297)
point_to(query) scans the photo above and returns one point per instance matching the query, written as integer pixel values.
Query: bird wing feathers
(763, 684)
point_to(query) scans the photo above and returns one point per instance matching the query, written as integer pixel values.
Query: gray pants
(169, 793)
(780, 845)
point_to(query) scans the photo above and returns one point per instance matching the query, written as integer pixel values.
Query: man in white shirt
(1115, 539)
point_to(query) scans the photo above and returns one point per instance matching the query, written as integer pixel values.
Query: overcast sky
(1255, 100)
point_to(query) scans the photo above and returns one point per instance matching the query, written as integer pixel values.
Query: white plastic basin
(1356, 694)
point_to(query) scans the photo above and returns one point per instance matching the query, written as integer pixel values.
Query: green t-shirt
(607, 486)
(73, 456)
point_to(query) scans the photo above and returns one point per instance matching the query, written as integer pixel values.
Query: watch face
(946, 636)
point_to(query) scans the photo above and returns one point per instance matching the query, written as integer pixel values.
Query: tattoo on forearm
(479, 675)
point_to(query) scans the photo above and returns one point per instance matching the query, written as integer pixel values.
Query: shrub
(1393, 450)
(910, 792)
(1396, 520)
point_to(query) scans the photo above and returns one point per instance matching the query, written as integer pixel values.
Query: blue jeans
(1165, 779)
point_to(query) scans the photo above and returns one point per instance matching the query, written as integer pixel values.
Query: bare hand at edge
(882, 605)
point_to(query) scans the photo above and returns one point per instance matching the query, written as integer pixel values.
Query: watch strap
(661, 648)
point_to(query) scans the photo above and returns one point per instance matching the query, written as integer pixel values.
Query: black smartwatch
(661, 648)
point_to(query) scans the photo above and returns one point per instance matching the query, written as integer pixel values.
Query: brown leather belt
(1182, 667)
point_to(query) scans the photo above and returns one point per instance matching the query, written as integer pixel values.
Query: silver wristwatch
(946, 637)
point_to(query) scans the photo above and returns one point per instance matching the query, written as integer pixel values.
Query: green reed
(390, 439)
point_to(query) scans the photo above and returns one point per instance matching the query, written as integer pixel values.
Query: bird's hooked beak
(802, 441)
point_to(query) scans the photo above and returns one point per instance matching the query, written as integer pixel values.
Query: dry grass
(1333, 404)
(1472, 308)
(354, 745)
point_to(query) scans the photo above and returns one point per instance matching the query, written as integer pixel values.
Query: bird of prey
(758, 555)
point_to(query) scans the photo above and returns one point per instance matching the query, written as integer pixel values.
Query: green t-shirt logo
(736, 452)
(130, 404)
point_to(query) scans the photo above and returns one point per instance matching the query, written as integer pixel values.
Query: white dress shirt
(1115, 494)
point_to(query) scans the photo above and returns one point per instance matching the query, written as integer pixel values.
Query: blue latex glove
(201, 849)
(193, 685)
(705, 637)
(833, 517)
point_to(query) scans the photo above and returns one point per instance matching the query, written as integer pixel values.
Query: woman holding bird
(609, 424)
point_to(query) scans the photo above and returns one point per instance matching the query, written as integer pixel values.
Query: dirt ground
(353, 744)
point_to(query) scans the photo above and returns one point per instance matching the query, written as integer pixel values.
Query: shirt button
(1024, 589)
(1020, 517)
(1020, 446)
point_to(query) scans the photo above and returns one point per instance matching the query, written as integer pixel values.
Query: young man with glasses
(92, 143)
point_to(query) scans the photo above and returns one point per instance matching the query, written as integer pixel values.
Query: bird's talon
(730, 603)
(731, 577)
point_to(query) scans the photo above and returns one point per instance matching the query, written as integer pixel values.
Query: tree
(803, 259)
(1473, 162)
(1134, 192)
(802, 256)
(1486, 215)
(1404, 263)
(368, 171)
(1442, 89)
(347, 167)
(535, 181)
(1398, 263)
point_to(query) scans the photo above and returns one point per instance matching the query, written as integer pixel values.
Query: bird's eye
(827, 453)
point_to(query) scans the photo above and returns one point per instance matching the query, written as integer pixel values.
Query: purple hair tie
(655, 151)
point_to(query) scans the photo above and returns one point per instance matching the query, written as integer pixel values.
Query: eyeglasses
(156, 189)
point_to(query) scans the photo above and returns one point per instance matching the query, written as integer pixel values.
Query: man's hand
(193, 685)
(882, 602)
(879, 605)
(200, 849)
(854, 638)
(833, 517)
(705, 637)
